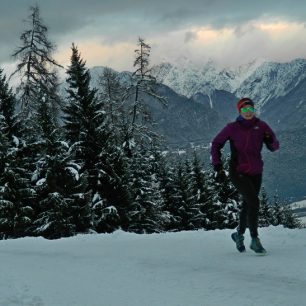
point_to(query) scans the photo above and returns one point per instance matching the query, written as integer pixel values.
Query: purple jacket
(246, 138)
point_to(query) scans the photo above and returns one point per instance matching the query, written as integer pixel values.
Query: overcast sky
(230, 32)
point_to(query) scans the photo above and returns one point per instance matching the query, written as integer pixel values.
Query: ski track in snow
(200, 268)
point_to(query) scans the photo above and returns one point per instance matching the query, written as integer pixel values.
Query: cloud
(200, 28)
(190, 36)
(231, 47)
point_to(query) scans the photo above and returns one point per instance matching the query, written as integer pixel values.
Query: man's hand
(268, 139)
(220, 175)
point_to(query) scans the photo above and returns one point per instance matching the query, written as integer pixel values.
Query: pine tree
(89, 132)
(105, 217)
(111, 93)
(276, 212)
(17, 198)
(7, 108)
(63, 205)
(227, 199)
(200, 197)
(84, 120)
(289, 218)
(144, 213)
(36, 66)
(284, 215)
(113, 196)
(144, 84)
(185, 209)
(169, 190)
(265, 214)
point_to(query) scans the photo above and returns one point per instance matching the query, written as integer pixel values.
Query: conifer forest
(77, 159)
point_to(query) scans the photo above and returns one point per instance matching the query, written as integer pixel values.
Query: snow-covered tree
(63, 203)
(145, 212)
(225, 201)
(89, 132)
(143, 85)
(276, 211)
(199, 195)
(185, 210)
(84, 120)
(8, 108)
(17, 198)
(289, 218)
(169, 190)
(265, 213)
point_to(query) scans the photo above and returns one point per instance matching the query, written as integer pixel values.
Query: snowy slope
(123, 269)
(299, 204)
(300, 210)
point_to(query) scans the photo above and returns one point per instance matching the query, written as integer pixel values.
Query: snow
(187, 78)
(303, 220)
(74, 172)
(40, 182)
(187, 268)
(300, 210)
(271, 80)
(299, 204)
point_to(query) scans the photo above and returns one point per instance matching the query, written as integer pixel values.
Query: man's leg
(254, 207)
(243, 216)
(248, 187)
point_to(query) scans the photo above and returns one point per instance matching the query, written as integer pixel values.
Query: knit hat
(243, 102)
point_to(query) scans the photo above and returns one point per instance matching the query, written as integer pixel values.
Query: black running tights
(249, 187)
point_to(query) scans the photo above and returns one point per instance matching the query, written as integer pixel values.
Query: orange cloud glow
(98, 54)
(279, 28)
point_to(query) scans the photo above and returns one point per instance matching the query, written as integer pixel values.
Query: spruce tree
(88, 132)
(265, 213)
(84, 121)
(225, 201)
(200, 196)
(17, 198)
(289, 218)
(63, 204)
(276, 211)
(145, 213)
(113, 195)
(169, 190)
(185, 209)
(7, 108)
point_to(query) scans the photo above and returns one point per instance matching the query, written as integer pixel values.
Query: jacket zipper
(247, 143)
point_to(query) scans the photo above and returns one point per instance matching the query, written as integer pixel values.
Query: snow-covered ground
(303, 220)
(123, 269)
(297, 205)
(300, 210)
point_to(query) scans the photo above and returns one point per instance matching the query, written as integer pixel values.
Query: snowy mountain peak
(260, 80)
(271, 80)
(187, 80)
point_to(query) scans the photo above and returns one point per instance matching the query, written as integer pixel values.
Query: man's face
(247, 112)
